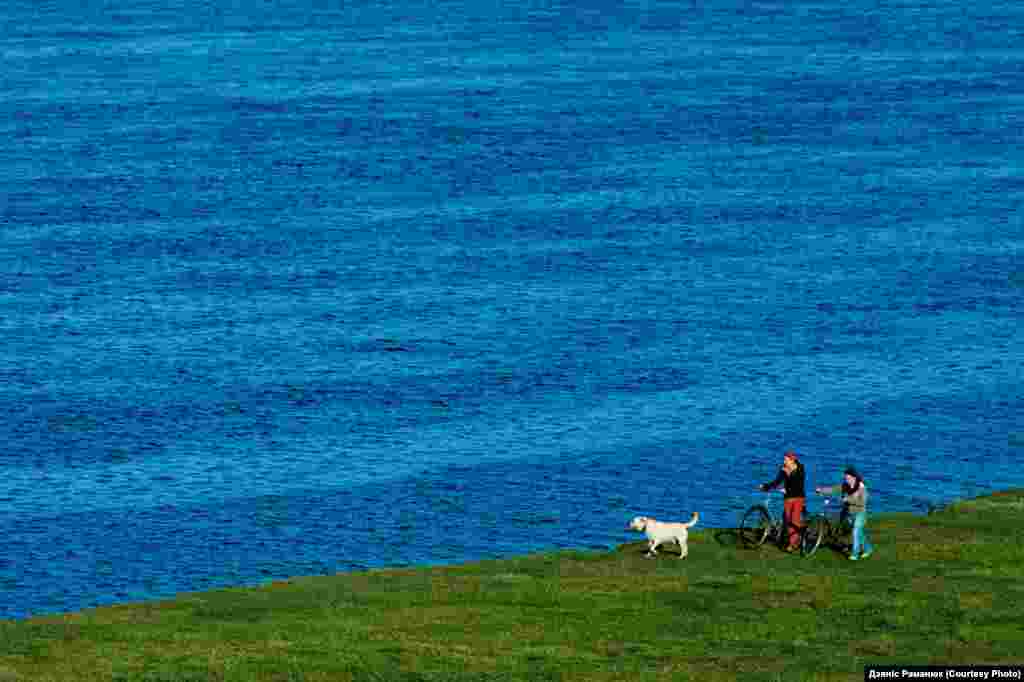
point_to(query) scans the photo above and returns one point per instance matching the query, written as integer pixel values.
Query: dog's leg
(652, 548)
(684, 548)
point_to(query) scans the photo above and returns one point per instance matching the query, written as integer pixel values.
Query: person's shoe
(853, 557)
(866, 554)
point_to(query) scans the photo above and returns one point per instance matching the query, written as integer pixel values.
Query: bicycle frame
(829, 527)
(759, 524)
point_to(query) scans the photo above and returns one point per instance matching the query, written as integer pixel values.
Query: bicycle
(828, 528)
(758, 525)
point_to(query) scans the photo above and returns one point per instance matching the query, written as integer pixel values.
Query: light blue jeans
(861, 543)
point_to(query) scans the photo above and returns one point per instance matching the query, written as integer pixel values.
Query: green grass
(942, 588)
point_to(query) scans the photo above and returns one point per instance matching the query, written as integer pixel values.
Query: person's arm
(778, 480)
(828, 489)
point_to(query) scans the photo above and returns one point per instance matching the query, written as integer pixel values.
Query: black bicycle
(829, 528)
(758, 525)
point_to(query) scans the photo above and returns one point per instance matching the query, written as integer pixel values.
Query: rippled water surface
(292, 290)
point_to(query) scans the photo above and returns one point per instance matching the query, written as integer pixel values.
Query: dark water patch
(71, 423)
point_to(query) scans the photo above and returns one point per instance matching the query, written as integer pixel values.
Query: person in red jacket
(791, 477)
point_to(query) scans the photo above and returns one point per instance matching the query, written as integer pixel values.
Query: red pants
(793, 512)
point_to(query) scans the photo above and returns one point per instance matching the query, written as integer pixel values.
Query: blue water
(291, 290)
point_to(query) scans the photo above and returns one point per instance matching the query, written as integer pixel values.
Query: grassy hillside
(942, 588)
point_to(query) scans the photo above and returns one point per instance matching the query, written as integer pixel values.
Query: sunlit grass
(941, 588)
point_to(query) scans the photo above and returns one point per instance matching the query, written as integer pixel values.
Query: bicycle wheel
(755, 526)
(815, 530)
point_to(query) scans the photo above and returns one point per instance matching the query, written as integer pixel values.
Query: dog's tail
(693, 520)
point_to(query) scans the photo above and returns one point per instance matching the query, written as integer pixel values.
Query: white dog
(659, 533)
